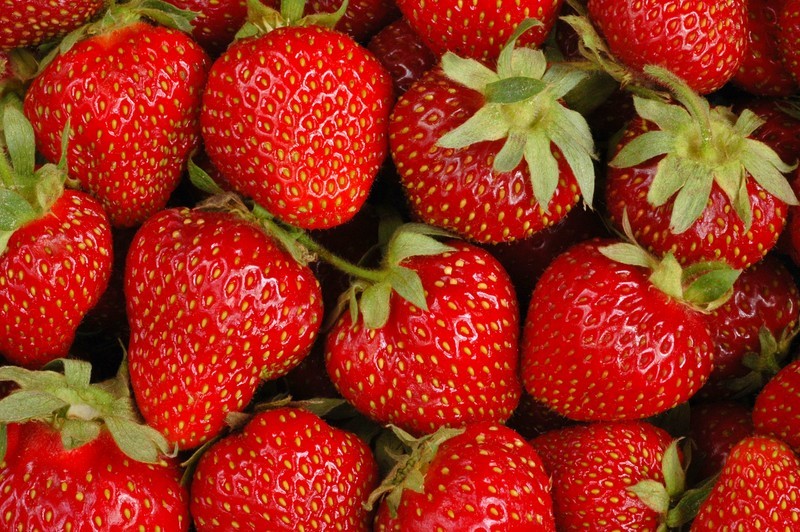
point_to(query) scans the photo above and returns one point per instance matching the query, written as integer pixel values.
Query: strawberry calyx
(78, 408)
(524, 105)
(262, 19)
(764, 364)
(701, 146)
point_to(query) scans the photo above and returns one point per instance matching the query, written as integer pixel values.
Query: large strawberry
(445, 357)
(76, 458)
(297, 120)
(700, 42)
(694, 180)
(402, 53)
(286, 470)
(214, 305)
(131, 98)
(482, 477)
(55, 251)
(776, 411)
(494, 156)
(714, 429)
(609, 334)
(33, 22)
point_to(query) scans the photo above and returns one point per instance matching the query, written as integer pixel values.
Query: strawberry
(34, 22)
(762, 71)
(448, 358)
(701, 42)
(214, 305)
(76, 458)
(287, 469)
(788, 22)
(402, 53)
(55, 251)
(776, 411)
(609, 334)
(694, 180)
(758, 489)
(131, 97)
(611, 476)
(297, 120)
(477, 29)
(481, 477)
(480, 156)
(714, 430)
(216, 22)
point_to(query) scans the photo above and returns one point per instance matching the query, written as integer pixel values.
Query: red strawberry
(131, 97)
(286, 470)
(714, 429)
(483, 159)
(55, 252)
(75, 457)
(483, 477)
(781, 128)
(758, 489)
(402, 53)
(788, 21)
(477, 29)
(216, 23)
(762, 71)
(701, 42)
(214, 305)
(448, 360)
(602, 472)
(776, 411)
(297, 120)
(603, 341)
(33, 22)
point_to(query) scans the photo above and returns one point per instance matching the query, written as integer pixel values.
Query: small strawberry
(34, 22)
(482, 477)
(216, 23)
(609, 334)
(701, 42)
(214, 305)
(131, 98)
(714, 430)
(758, 489)
(297, 120)
(76, 458)
(55, 251)
(286, 470)
(402, 53)
(436, 343)
(776, 411)
(492, 156)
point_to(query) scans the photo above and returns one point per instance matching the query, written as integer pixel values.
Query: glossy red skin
(702, 42)
(132, 99)
(788, 30)
(592, 467)
(776, 411)
(216, 23)
(199, 343)
(469, 484)
(53, 272)
(33, 22)
(478, 29)
(758, 489)
(714, 429)
(458, 189)
(762, 71)
(600, 342)
(92, 487)
(304, 141)
(401, 51)
(717, 235)
(450, 366)
(287, 470)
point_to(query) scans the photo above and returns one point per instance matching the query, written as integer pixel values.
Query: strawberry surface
(33, 22)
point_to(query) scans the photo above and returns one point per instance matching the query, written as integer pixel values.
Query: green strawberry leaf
(485, 125)
(20, 140)
(77, 373)
(543, 165)
(512, 152)
(643, 148)
(653, 494)
(413, 240)
(374, 304)
(511, 90)
(140, 442)
(674, 474)
(408, 285)
(15, 210)
(689, 504)
(712, 289)
(468, 72)
(3, 441)
(200, 179)
(630, 254)
(24, 405)
(75, 433)
(668, 277)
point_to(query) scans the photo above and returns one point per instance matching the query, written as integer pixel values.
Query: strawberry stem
(697, 106)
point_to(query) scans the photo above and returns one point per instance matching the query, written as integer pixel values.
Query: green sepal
(407, 284)
(20, 140)
(262, 19)
(200, 179)
(15, 211)
(140, 442)
(689, 504)
(3, 442)
(411, 240)
(166, 14)
(511, 90)
(668, 277)
(26, 405)
(630, 254)
(374, 304)
(712, 289)
(75, 433)
(673, 471)
(653, 494)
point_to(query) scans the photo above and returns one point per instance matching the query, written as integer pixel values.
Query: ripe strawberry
(776, 411)
(214, 305)
(701, 42)
(603, 341)
(714, 430)
(758, 489)
(33, 22)
(55, 251)
(450, 363)
(762, 71)
(482, 477)
(131, 97)
(601, 472)
(477, 29)
(492, 163)
(297, 120)
(216, 22)
(788, 21)
(286, 470)
(401, 51)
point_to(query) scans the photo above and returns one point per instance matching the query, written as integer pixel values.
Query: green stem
(340, 263)
(693, 102)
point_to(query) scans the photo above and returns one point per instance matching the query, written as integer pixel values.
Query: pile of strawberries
(399, 265)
